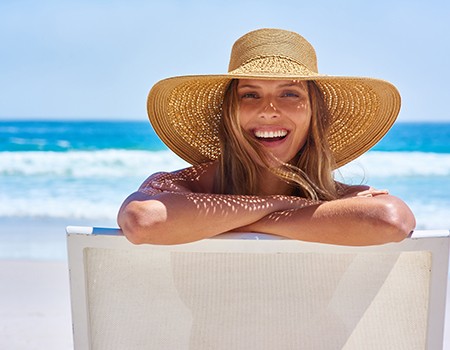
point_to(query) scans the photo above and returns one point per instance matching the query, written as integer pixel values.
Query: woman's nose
(270, 110)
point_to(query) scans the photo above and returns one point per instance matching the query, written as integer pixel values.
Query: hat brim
(185, 112)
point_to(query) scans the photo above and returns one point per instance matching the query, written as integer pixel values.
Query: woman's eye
(290, 94)
(249, 95)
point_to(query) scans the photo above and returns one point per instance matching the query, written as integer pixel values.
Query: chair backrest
(253, 291)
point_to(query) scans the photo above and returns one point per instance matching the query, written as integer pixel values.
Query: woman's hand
(363, 191)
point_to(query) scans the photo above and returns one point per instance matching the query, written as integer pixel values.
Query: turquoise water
(63, 136)
(64, 169)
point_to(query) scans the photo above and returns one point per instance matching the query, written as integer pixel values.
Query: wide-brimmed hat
(185, 111)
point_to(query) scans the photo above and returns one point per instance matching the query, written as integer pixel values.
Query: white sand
(35, 306)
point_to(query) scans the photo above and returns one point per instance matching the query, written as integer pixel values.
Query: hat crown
(263, 43)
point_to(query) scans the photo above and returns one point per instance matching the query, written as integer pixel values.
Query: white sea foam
(93, 184)
(62, 207)
(88, 164)
(388, 164)
(122, 163)
(431, 216)
(75, 184)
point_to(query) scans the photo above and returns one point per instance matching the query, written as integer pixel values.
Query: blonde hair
(311, 175)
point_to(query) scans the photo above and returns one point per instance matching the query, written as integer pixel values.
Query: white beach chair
(254, 291)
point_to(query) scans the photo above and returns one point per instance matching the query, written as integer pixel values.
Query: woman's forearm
(173, 218)
(350, 221)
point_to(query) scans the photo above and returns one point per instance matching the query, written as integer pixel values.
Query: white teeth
(270, 134)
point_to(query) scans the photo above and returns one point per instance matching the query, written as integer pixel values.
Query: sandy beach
(34, 284)
(35, 305)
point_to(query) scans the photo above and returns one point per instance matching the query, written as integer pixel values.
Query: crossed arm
(168, 210)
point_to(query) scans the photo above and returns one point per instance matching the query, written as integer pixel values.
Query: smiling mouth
(270, 136)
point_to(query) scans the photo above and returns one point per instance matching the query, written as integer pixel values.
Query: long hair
(311, 171)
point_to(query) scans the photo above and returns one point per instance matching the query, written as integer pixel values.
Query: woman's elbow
(397, 220)
(142, 222)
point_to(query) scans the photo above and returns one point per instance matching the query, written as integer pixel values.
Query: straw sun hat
(185, 111)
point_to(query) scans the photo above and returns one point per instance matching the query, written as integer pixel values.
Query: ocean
(81, 171)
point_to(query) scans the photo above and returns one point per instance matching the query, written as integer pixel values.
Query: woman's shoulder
(197, 178)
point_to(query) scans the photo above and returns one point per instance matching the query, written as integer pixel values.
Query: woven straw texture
(185, 111)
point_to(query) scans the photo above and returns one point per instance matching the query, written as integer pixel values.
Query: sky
(98, 59)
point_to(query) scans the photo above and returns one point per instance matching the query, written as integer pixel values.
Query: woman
(264, 140)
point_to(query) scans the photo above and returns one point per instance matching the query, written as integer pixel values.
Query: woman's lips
(270, 137)
(270, 134)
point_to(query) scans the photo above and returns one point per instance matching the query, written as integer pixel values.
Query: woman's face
(276, 113)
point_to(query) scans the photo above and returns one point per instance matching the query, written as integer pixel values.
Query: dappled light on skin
(176, 183)
(286, 214)
(225, 203)
(173, 182)
(246, 202)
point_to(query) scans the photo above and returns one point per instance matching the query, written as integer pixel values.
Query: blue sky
(98, 59)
